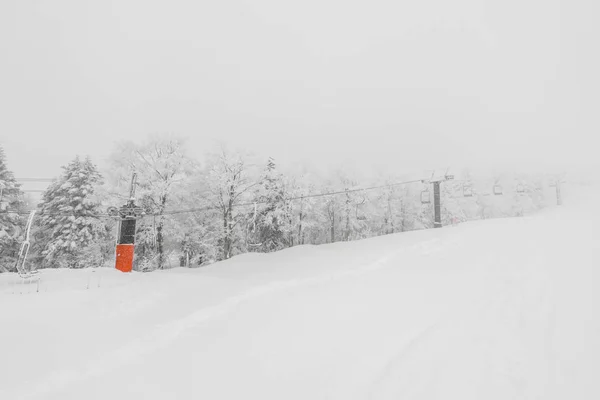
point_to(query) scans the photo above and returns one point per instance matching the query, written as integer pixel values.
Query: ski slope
(497, 309)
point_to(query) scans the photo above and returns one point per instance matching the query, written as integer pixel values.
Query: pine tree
(69, 225)
(11, 222)
(274, 215)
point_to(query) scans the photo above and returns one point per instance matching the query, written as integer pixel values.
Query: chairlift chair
(498, 190)
(520, 188)
(467, 191)
(425, 197)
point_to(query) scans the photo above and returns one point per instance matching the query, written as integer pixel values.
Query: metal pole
(132, 187)
(558, 194)
(437, 206)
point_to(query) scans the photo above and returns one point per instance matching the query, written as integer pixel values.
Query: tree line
(203, 211)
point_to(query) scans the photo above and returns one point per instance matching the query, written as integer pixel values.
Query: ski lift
(467, 191)
(360, 214)
(520, 188)
(498, 190)
(425, 197)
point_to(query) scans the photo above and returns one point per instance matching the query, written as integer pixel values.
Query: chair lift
(467, 191)
(20, 265)
(425, 197)
(498, 190)
(520, 188)
(360, 215)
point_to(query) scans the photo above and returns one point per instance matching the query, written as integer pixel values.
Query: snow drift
(492, 309)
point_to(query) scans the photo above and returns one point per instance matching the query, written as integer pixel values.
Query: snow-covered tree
(452, 207)
(385, 211)
(199, 242)
(303, 222)
(353, 217)
(273, 223)
(69, 224)
(229, 183)
(330, 214)
(11, 222)
(196, 232)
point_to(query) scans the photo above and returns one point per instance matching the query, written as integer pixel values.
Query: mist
(393, 85)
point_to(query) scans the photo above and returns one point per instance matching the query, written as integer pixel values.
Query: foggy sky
(405, 84)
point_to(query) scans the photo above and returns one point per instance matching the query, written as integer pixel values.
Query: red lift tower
(127, 216)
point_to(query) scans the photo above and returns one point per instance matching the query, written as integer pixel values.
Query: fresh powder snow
(494, 309)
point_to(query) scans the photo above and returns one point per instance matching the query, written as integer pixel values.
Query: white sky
(418, 84)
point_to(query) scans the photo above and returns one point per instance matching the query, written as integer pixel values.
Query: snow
(494, 309)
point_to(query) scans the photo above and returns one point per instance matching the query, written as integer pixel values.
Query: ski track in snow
(165, 334)
(437, 350)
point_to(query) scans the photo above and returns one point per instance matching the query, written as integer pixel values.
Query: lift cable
(209, 208)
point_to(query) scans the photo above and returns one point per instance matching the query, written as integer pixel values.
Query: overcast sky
(407, 84)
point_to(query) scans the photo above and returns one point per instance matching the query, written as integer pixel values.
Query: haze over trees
(229, 203)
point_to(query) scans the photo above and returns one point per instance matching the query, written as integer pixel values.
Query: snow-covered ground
(497, 309)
